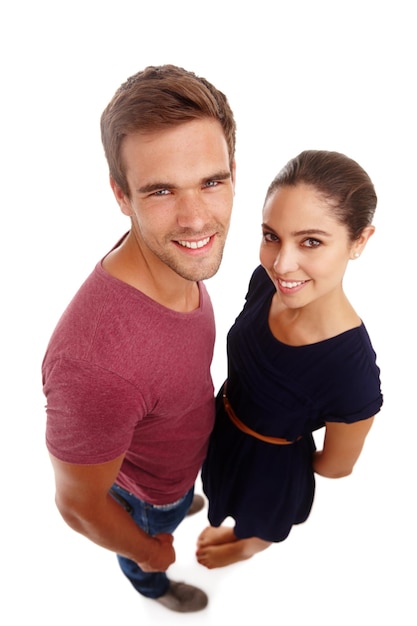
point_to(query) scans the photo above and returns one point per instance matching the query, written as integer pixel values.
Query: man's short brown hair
(160, 97)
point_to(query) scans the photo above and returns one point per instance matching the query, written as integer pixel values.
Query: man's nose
(192, 211)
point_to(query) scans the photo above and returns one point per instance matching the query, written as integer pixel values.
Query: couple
(131, 411)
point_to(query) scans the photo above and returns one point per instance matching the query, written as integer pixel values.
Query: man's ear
(234, 175)
(121, 198)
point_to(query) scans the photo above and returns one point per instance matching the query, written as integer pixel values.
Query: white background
(300, 74)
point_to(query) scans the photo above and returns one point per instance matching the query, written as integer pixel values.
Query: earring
(356, 255)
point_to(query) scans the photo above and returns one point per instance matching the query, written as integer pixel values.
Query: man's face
(181, 194)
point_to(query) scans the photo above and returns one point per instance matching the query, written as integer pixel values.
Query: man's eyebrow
(156, 186)
(223, 175)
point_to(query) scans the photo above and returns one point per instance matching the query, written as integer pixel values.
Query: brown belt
(236, 421)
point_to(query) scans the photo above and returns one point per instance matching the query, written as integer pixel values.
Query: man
(130, 400)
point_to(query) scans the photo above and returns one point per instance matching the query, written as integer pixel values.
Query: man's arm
(342, 446)
(84, 501)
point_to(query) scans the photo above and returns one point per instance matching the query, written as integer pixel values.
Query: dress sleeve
(354, 382)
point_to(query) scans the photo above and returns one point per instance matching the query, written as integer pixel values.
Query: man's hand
(161, 556)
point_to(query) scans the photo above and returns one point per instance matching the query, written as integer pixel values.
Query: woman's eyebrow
(305, 232)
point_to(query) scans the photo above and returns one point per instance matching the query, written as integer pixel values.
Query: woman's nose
(285, 261)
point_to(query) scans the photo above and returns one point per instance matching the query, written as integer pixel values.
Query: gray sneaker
(196, 505)
(183, 598)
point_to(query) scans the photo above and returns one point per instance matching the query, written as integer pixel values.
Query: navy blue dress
(280, 391)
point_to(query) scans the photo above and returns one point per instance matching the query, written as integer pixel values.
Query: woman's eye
(270, 237)
(311, 243)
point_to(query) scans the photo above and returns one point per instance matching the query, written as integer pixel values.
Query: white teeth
(195, 244)
(290, 285)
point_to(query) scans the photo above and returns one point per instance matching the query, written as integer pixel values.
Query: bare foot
(222, 553)
(215, 536)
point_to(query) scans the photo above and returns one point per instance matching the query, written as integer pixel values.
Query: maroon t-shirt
(124, 374)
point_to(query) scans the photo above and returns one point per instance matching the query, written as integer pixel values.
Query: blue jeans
(153, 519)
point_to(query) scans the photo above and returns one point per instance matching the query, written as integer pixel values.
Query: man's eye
(161, 192)
(211, 183)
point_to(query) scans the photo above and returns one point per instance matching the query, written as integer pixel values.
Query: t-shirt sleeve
(91, 412)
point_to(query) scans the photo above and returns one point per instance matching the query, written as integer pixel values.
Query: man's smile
(194, 244)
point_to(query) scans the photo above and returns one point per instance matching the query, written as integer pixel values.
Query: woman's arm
(342, 446)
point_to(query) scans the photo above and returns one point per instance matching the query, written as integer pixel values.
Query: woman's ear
(121, 198)
(359, 244)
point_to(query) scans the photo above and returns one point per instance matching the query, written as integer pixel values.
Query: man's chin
(202, 272)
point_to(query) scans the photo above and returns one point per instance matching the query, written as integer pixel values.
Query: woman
(299, 359)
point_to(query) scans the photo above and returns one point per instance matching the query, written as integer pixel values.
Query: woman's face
(304, 249)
